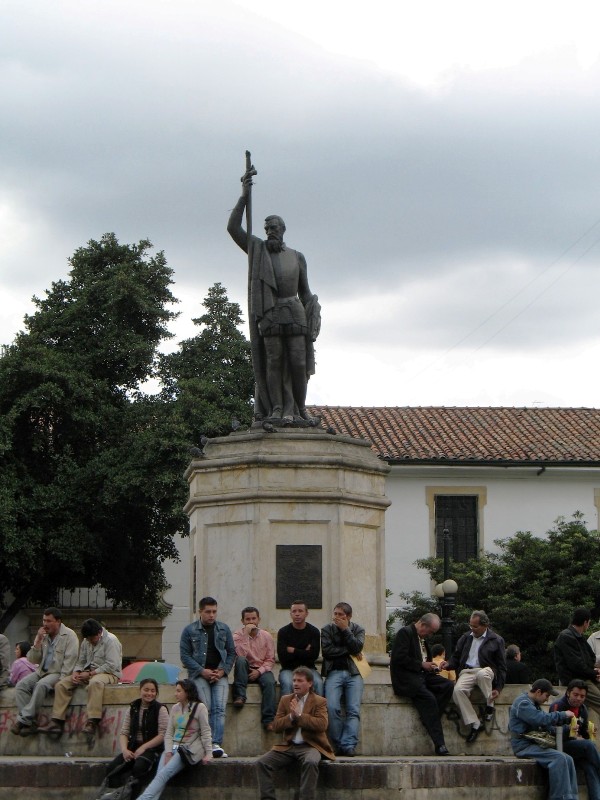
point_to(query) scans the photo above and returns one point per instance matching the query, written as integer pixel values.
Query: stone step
(423, 778)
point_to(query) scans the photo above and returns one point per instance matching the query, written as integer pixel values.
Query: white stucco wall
(517, 499)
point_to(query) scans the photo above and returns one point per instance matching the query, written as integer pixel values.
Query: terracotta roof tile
(473, 435)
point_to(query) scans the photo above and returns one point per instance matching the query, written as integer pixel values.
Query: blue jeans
(214, 697)
(585, 754)
(561, 770)
(266, 681)
(163, 776)
(343, 732)
(285, 681)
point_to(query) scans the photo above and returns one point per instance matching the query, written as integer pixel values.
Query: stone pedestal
(256, 496)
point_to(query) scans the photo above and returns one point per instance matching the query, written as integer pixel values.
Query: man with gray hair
(415, 675)
(480, 660)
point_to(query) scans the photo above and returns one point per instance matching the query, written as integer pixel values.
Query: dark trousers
(141, 768)
(430, 701)
(309, 758)
(266, 681)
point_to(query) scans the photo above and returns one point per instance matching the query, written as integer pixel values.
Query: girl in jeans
(188, 728)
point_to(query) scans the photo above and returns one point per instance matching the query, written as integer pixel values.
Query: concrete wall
(389, 726)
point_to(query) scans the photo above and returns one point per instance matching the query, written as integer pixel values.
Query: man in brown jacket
(302, 719)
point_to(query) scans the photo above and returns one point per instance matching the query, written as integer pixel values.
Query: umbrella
(161, 672)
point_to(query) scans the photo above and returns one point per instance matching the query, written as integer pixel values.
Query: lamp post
(446, 591)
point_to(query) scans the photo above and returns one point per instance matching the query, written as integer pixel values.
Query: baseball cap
(543, 685)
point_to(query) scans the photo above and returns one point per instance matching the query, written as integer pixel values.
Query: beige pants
(467, 680)
(64, 690)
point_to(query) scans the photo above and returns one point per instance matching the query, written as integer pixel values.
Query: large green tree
(91, 465)
(90, 485)
(529, 587)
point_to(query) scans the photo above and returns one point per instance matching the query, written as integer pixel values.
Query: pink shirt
(20, 669)
(259, 650)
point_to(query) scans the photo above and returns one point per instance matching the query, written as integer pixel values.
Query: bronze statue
(284, 315)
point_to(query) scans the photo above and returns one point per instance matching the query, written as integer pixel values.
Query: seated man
(99, 664)
(415, 675)
(302, 719)
(526, 716)
(516, 670)
(255, 651)
(342, 640)
(298, 645)
(480, 660)
(574, 658)
(577, 743)
(55, 650)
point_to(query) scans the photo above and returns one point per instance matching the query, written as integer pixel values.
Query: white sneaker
(218, 752)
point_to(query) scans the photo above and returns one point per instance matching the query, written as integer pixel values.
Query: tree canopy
(210, 376)
(91, 465)
(529, 588)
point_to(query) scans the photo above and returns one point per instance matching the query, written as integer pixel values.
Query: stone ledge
(344, 773)
(390, 727)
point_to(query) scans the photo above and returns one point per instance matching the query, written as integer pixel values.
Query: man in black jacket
(342, 642)
(574, 657)
(480, 660)
(516, 670)
(415, 675)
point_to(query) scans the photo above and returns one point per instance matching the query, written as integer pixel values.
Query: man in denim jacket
(527, 716)
(207, 652)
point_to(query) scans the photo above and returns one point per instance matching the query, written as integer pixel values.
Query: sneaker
(488, 714)
(218, 752)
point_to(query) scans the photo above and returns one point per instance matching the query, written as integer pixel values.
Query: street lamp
(446, 592)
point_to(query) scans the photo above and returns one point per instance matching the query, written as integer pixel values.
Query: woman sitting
(142, 739)
(187, 741)
(22, 666)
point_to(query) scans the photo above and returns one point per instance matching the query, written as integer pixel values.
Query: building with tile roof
(484, 473)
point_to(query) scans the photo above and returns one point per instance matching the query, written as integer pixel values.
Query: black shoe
(350, 753)
(474, 734)
(441, 750)
(488, 714)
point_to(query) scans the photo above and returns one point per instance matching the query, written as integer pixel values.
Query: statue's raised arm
(283, 314)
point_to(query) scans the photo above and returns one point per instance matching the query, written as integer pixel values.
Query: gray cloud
(134, 118)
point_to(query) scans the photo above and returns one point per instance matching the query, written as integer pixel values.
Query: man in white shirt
(480, 660)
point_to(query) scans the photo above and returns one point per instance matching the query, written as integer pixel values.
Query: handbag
(543, 739)
(185, 755)
(122, 793)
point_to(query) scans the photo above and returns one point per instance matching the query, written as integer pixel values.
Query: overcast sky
(437, 163)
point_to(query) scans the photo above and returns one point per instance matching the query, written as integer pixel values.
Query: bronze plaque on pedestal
(299, 574)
